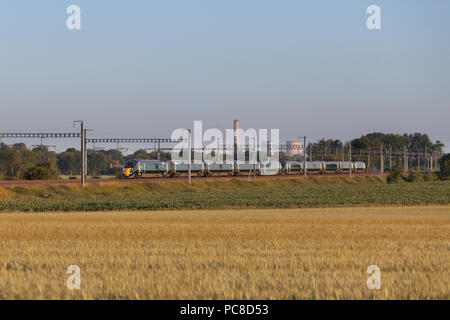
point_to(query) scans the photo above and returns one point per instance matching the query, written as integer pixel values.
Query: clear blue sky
(143, 68)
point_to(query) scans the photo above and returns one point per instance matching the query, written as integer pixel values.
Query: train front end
(129, 169)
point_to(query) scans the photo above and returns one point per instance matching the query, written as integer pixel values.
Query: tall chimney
(236, 132)
(236, 138)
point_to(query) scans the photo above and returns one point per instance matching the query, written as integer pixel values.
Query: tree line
(370, 147)
(396, 142)
(38, 163)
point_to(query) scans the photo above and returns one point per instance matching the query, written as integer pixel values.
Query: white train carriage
(345, 165)
(359, 166)
(243, 168)
(182, 168)
(216, 169)
(331, 166)
(293, 167)
(270, 168)
(314, 166)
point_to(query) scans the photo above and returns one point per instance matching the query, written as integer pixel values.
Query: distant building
(115, 164)
(294, 148)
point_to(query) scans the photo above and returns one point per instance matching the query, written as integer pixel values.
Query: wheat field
(236, 254)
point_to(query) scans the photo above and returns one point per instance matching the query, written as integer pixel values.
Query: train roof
(151, 161)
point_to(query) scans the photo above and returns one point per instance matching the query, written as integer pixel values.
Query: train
(155, 168)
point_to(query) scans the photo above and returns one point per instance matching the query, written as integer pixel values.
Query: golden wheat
(253, 254)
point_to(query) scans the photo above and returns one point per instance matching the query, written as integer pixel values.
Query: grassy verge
(294, 193)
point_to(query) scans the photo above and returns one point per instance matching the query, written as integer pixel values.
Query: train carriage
(153, 168)
(146, 168)
(359, 166)
(242, 168)
(314, 166)
(334, 167)
(182, 168)
(216, 169)
(292, 167)
(270, 168)
(345, 165)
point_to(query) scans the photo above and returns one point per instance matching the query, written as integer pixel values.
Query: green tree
(325, 149)
(438, 146)
(97, 163)
(444, 164)
(42, 154)
(44, 171)
(15, 160)
(69, 161)
(114, 155)
(360, 143)
(141, 154)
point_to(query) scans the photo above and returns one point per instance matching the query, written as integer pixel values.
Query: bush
(414, 176)
(444, 164)
(118, 174)
(45, 171)
(395, 176)
(430, 177)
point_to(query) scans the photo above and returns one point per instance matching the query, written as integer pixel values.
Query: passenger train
(156, 168)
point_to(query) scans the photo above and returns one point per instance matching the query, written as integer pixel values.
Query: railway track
(75, 182)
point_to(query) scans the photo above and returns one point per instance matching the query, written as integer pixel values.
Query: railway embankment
(225, 194)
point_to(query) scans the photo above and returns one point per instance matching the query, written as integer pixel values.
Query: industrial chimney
(236, 138)
(236, 132)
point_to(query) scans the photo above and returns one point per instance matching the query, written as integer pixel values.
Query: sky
(145, 68)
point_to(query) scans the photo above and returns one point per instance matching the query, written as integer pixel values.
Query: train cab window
(130, 164)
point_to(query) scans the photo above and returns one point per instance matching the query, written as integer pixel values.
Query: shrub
(414, 176)
(395, 176)
(430, 177)
(44, 171)
(118, 174)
